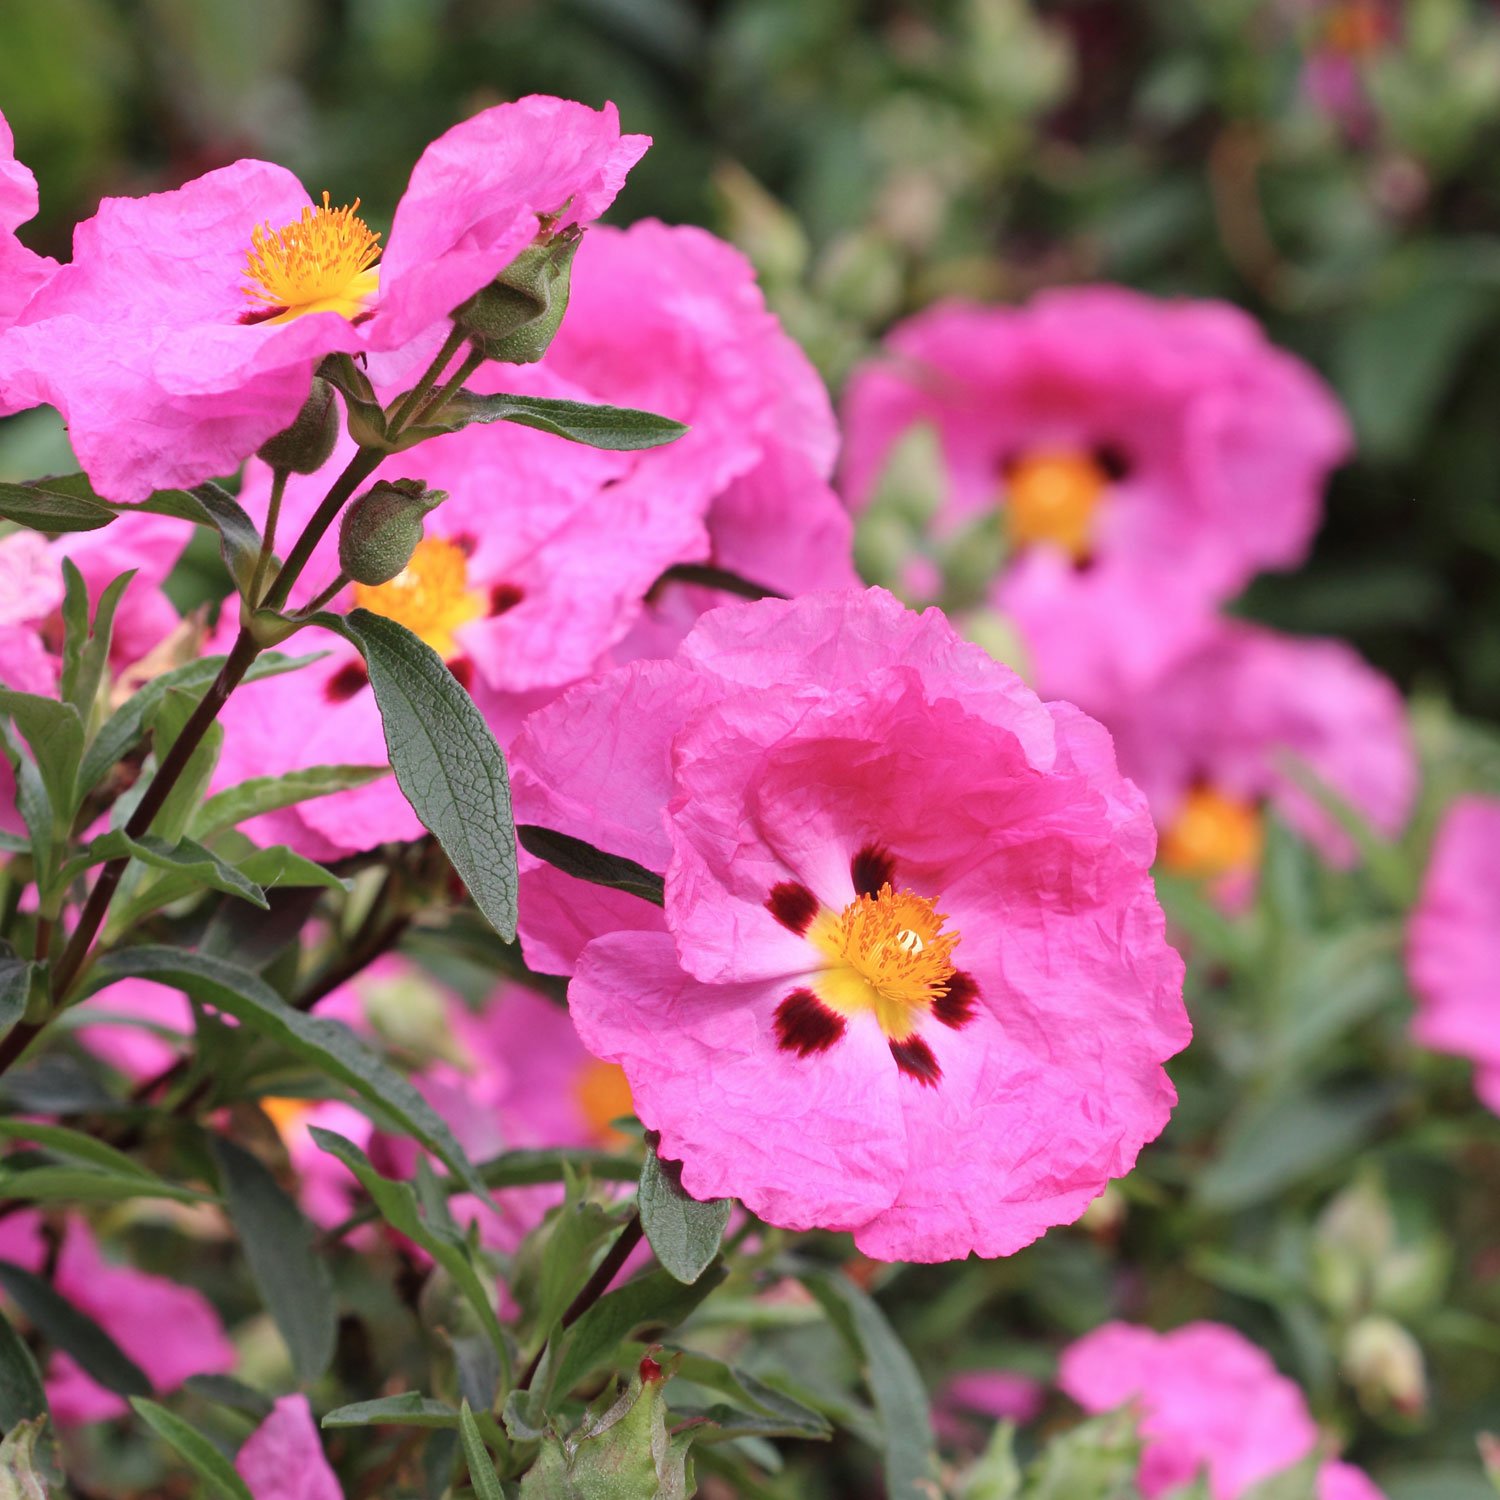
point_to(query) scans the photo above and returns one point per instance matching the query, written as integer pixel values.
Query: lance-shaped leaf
(86, 646)
(683, 1231)
(292, 1278)
(194, 867)
(617, 428)
(906, 1423)
(447, 763)
(397, 1202)
(263, 794)
(328, 1046)
(583, 861)
(68, 1184)
(409, 1409)
(73, 1332)
(16, 978)
(55, 505)
(55, 733)
(21, 1393)
(477, 1458)
(200, 1455)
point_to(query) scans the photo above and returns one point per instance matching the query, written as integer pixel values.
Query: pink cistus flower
(185, 331)
(1145, 457)
(132, 1307)
(910, 978)
(1453, 951)
(1210, 1401)
(22, 271)
(1222, 734)
(283, 1458)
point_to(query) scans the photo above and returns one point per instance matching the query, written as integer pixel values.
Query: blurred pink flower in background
(997, 1395)
(1453, 951)
(818, 778)
(1209, 1398)
(1210, 742)
(173, 358)
(283, 1458)
(169, 1330)
(1146, 458)
(21, 270)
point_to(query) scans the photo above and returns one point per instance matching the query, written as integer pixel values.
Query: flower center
(322, 262)
(887, 954)
(1213, 834)
(1051, 498)
(603, 1095)
(430, 595)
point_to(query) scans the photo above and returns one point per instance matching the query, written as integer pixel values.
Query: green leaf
(52, 505)
(397, 1202)
(167, 724)
(526, 1168)
(1097, 1460)
(33, 803)
(278, 866)
(55, 733)
(332, 1048)
(1300, 1482)
(19, 1476)
(577, 1231)
(617, 428)
(584, 862)
(16, 977)
(225, 1390)
(446, 760)
(263, 794)
(74, 1144)
(293, 1280)
(1284, 1138)
(194, 868)
(86, 649)
(21, 1393)
(73, 1332)
(89, 1185)
(477, 1457)
(124, 729)
(780, 1415)
(410, 1409)
(910, 1464)
(194, 1449)
(683, 1232)
(239, 541)
(657, 1300)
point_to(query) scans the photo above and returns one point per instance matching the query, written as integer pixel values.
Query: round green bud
(380, 531)
(515, 317)
(305, 446)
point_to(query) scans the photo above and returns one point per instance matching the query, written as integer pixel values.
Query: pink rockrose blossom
(283, 1458)
(1453, 952)
(910, 978)
(22, 271)
(998, 1395)
(186, 329)
(1213, 741)
(132, 1307)
(1146, 458)
(1209, 1400)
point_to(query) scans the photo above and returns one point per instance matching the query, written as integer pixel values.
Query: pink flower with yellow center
(910, 978)
(1145, 458)
(185, 331)
(1453, 951)
(1222, 734)
(1210, 1401)
(21, 270)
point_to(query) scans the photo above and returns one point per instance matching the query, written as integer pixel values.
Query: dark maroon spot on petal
(466, 542)
(505, 596)
(463, 671)
(261, 315)
(956, 1008)
(872, 868)
(793, 905)
(914, 1058)
(346, 682)
(1114, 460)
(362, 317)
(805, 1025)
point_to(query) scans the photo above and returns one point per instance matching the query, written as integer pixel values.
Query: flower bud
(305, 446)
(515, 317)
(380, 531)
(1383, 1362)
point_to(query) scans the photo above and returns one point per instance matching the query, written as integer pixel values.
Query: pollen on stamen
(321, 262)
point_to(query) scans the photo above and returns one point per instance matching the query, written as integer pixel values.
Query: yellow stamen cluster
(603, 1096)
(886, 953)
(322, 262)
(430, 595)
(1213, 834)
(1051, 498)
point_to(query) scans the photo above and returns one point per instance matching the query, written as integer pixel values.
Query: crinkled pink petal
(1453, 948)
(283, 1458)
(803, 1142)
(475, 195)
(22, 271)
(1340, 1481)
